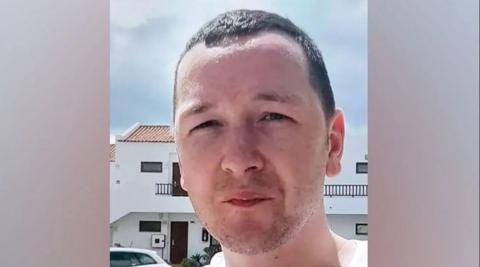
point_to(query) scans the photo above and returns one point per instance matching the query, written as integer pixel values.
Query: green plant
(197, 257)
(198, 260)
(189, 262)
(209, 252)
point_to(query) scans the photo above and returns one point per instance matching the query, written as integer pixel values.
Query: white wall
(125, 231)
(344, 225)
(134, 191)
(130, 154)
(345, 205)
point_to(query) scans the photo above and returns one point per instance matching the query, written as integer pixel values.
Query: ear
(335, 143)
(182, 181)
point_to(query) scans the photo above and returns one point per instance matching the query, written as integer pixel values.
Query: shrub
(209, 252)
(198, 260)
(189, 262)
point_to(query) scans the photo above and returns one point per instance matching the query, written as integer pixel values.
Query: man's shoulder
(360, 256)
(217, 260)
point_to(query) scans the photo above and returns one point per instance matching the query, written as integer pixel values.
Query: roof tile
(151, 133)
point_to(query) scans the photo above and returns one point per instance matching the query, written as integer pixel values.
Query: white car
(127, 257)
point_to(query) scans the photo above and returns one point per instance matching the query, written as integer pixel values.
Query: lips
(247, 199)
(246, 202)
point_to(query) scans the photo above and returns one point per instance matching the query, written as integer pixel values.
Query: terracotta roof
(151, 133)
(112, 152)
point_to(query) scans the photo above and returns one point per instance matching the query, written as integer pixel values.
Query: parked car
(127, 257)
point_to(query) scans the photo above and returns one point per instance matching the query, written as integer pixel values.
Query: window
(127, 259)
(145, 259)
(362, 167)
(150, 166)
(123, 259)
(361, 228)
(205, 235)
(150, 226)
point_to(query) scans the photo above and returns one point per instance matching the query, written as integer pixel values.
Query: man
(257, 131)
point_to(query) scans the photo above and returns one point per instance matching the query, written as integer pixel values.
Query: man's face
(252, 140)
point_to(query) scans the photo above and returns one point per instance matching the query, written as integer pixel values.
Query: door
(177, 189)
(178, 241)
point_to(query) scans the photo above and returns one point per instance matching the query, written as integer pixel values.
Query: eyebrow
(275, 97)
(196, 108)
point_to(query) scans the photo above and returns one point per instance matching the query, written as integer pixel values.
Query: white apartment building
(149, 209)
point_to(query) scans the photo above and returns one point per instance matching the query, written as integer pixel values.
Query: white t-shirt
(359, 258)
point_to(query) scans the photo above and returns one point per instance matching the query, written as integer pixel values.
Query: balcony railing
(330, 190)
(345, 190)
(163, 189)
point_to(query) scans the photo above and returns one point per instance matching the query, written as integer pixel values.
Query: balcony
(163, 189)
(331, 190)
(345, 190)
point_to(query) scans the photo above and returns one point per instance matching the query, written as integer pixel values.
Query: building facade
(149, 209)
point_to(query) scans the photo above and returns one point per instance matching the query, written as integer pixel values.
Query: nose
(241, 153)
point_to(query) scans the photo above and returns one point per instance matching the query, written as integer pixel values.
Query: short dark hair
(245, 22)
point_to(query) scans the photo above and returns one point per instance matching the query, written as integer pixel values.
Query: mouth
(246, 200)
(245, 203)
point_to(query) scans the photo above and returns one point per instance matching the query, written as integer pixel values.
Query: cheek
(295, 151)
(201, 145)
(198, 163)
(299, 162)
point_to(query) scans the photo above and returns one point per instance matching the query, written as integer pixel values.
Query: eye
(273, 117)
(207, 124)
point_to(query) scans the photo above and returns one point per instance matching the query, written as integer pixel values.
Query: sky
(148, 36)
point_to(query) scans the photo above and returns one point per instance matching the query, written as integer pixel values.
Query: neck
(314, 245)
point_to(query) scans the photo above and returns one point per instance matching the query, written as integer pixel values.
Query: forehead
(271, 53)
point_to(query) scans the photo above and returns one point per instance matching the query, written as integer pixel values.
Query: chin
(254, 242)
(251, 237)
